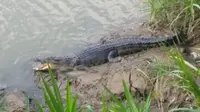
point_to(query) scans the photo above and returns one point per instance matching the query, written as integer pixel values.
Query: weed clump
(180, 16)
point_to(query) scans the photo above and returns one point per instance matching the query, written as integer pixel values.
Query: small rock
(3, 86)
(2, 89)
(16, 101)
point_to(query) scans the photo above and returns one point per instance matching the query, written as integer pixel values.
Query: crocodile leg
(81, 67)
(102, 40)
(113, 56)
(84, 68)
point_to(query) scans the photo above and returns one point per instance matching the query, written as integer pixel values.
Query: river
(41, 28)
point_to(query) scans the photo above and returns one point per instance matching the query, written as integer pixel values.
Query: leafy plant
(3, 105)
(177, 15)
(186, 76)
(129, 106)
(54, 100)
(55, 104)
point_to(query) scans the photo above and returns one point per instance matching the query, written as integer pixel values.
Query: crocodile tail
(172, 40)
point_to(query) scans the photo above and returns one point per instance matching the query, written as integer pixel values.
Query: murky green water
(40, 28)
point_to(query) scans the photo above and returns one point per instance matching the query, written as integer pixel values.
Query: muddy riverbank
(135, 69)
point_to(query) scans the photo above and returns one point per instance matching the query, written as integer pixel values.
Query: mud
(135, 69)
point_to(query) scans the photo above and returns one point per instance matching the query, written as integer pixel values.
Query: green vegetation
(130, 106)
(183, 18)
(2, 104)
(55, 104)
(54, 100)
(178, 15)
(186, 76)
(185, 73)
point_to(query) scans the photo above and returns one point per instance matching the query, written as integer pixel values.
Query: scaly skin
(107, 51)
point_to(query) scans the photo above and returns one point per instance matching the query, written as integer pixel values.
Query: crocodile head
(54, 63)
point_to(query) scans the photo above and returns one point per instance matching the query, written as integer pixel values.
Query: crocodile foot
(84, 68)
(114, 57)
(115, 60)
(102, 40)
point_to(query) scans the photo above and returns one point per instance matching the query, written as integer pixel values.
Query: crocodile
(106, 51)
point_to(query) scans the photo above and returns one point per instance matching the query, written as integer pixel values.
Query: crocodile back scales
(98, 53)
(126, 43)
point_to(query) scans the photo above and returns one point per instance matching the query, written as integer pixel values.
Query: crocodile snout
(43, 66)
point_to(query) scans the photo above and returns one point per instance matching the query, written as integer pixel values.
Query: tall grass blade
(39, 106)
(196, 5)
(183, 110)
(48, 101)
(89, 108)
(122, 108)
(52, 101)
(27, 103)
(147, 104)
(187, 77)
(74, 104)
(129, 98)
(68, 97)
(104, 108)
(56, 91)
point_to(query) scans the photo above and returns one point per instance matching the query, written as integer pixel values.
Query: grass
(185, 73)
(186, 76)
(183, 18)
(2, 104)
(130, 106)
(177, 15)
(54, 100)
